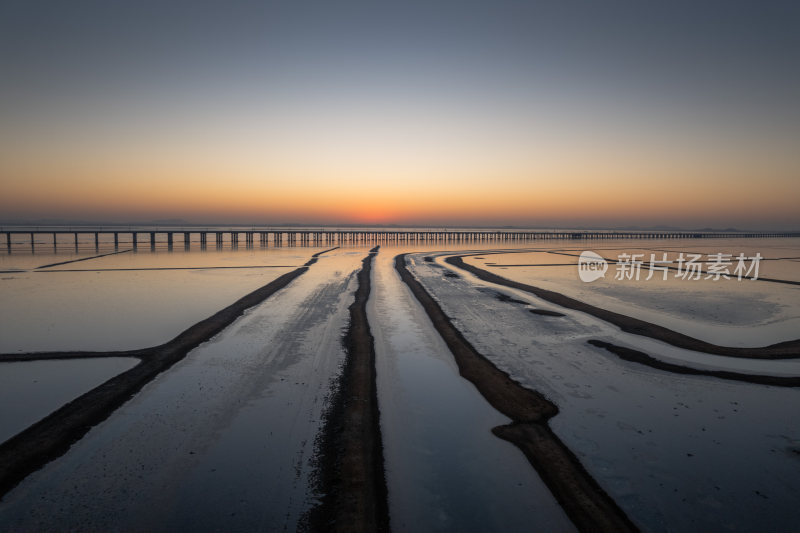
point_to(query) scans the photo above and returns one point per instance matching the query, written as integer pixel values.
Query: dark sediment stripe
(584, 501)
(350, 471)
(545, 312)
(82, 259)
(629, 354)
(199, 329)
(44, 356)
(52, 436)
(782, 350)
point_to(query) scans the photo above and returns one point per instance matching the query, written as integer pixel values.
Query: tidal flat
(236, 434)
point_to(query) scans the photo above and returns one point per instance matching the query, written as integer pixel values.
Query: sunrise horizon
(333, 224)
(466, 266)
(480, 114)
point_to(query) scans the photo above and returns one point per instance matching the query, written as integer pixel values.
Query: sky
(446, 113)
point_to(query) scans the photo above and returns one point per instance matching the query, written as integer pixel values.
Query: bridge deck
(306, 236)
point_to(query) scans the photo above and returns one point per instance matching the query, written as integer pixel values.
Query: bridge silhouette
(152, 236)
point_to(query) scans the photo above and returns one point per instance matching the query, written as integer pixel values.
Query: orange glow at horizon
(443, 201)
(403, 114)
(377, 174)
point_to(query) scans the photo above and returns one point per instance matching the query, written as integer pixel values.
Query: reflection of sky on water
(222, 440)
(132, 307)
(31, 390)
(727, 312)
(678, 453)
(439, 453)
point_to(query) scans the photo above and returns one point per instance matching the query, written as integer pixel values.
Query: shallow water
(726, 312)
(130, 300)
(31, 390)
(678, 453)
(439, 453)
(221, 441)
(225, 438)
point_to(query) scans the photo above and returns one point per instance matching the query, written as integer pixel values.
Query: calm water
(226, 437)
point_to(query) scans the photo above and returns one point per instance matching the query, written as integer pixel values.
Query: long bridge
(185, 236)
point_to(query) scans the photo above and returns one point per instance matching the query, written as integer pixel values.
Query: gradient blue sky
(527, 113)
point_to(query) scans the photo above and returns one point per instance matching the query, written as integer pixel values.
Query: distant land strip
(350, 471)
(782, 350)
(52, 436)
(589, 507)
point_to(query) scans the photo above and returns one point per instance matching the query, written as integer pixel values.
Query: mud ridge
(350, 472)
(629, 354)
(52, 436)
(545, 312)
(84, 259)
(248, 300)
(589, 507)
(628, 324)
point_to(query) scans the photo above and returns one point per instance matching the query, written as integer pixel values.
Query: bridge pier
(305, 237)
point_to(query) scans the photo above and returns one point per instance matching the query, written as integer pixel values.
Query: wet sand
(587, 505)
(668, 448)
(629, 354)
(361, 503)
(52, 436)
(351, 470)
(782, 350)
(675, 269)
(31, 390)
(439, 451)
(128, 301)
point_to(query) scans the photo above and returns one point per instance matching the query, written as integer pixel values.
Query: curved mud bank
(199, 329)
(351, 472)
(585, 502)
(783, 350)
(52, 436)
(439, 451)
(636, 356)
